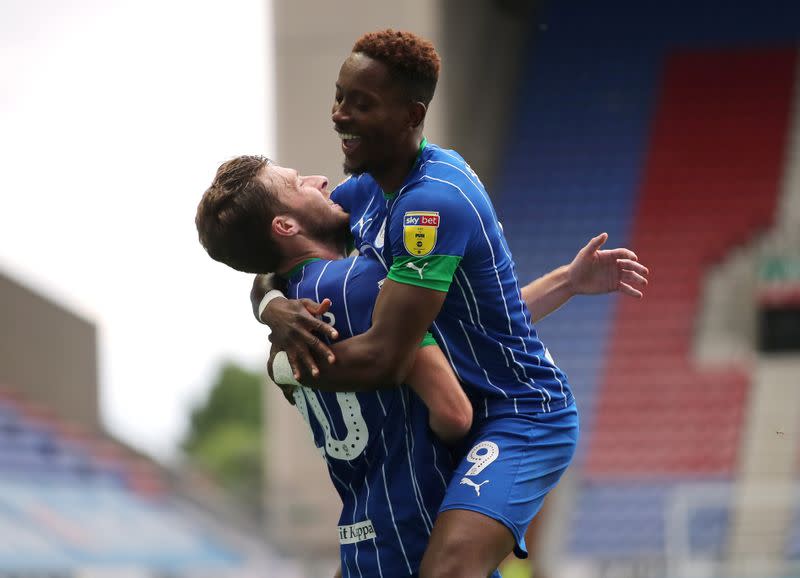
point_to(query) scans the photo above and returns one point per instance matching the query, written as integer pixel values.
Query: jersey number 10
(347, 448)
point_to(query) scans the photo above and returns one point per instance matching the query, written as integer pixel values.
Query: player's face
(308, 200)
(370, 113)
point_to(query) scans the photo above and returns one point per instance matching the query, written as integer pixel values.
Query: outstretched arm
(592, 271)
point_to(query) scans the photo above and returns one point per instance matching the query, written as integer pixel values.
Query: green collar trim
(422, 146)
(296, 269)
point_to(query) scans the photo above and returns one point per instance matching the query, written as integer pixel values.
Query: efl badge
(419, 232)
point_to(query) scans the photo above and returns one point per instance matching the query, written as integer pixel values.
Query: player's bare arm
(384, 355)
(432, 378)
(593, 271)
(435, 383)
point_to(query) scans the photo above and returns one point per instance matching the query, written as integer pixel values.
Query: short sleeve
(430, 229)
(344, 193)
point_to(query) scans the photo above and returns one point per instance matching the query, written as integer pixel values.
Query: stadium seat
(607, 140)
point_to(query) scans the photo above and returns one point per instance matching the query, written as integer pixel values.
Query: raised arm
(592, 271)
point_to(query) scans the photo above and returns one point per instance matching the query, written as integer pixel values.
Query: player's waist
(491, 406)
(389, 548)
(526, 389)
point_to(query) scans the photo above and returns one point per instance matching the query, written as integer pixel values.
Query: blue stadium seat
(573, 162)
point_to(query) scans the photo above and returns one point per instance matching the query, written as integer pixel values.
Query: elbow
(452, 424)
(462, 421)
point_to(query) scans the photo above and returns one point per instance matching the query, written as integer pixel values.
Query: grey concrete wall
(481, 43)
(483, 47)
(312, 40)
(48, 354)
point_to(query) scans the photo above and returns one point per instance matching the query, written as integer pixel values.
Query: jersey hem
(520, 549)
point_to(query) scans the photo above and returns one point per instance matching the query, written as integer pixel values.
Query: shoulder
(359, 279)
(353, 183)
(353, 188)
(447, 165)
(446, 172)
(352, 273)
(435, 190)
(332, 278)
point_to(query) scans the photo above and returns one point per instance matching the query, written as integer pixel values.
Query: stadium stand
(665, 126)
(716, 155)
(69, 499)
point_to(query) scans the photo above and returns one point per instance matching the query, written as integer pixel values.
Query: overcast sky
(114, 115)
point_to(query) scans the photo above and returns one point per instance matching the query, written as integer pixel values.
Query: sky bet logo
(421, 219)
(419, 232)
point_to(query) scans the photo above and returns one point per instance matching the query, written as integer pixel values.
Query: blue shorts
(511, 462)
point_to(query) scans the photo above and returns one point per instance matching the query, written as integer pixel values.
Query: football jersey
(440, 231)
(388, 468)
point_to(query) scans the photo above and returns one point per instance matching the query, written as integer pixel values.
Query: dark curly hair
(234, 214)
(411, 60)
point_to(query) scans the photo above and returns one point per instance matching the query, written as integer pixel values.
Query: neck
(328, 250)
(392, 177)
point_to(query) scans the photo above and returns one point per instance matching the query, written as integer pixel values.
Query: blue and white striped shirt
(384, 461)
(440, 231)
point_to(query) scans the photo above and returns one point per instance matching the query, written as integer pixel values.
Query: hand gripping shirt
(389, 470)
(440, 231)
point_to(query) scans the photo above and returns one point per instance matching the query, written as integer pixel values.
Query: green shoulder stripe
(432, 271)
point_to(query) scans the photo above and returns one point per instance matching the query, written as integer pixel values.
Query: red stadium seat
(710, 184)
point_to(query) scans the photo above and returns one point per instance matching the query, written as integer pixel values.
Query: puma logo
(417, 269)
(468, 482)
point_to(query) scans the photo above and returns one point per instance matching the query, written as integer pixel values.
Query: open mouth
(350, 142)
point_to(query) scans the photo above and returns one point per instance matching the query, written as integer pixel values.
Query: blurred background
(137, 436)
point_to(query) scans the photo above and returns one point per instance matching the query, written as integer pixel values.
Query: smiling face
(371, 113)
(306, 199)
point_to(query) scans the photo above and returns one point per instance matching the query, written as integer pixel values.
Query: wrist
(265, 301)
(565, 280)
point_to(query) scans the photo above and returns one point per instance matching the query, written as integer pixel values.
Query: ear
(285, 226)
(416, 113)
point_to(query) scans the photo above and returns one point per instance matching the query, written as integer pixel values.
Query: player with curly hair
(424, 214)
